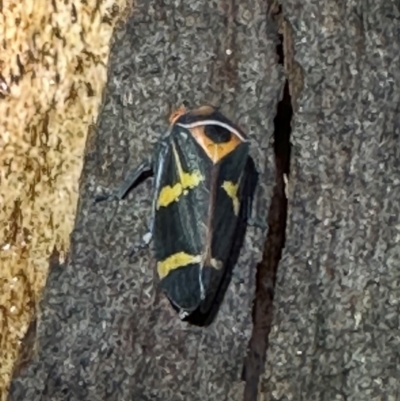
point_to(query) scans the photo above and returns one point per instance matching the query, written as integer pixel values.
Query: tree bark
(325, 324)
(335, 332)
(105, 332)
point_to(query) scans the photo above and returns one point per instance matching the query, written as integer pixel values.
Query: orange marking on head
(215, 151)
(177, 113)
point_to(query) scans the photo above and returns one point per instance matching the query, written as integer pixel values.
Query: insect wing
(181, 200)
(229, 197)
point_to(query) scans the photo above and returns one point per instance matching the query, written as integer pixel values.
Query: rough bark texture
(335, 333)
(105, 332)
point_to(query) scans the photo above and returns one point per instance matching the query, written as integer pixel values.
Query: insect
(201, 175)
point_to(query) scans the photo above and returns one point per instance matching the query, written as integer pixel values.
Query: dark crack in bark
(275, 242)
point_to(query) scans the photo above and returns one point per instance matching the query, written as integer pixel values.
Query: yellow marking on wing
(231, 189)
(215, 151)
(175, 261)
(169, 194)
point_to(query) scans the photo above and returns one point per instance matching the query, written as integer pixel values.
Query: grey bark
(335, 333)
(105, 332)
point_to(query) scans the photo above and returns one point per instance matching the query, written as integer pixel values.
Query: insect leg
(158, 165)
(146, 239)
(129, 182)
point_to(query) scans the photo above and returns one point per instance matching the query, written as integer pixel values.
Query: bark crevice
(254, 365)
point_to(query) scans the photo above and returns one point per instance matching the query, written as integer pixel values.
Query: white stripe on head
(214, 122)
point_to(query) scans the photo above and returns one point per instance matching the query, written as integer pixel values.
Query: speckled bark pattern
(336, 328)
(105, 331)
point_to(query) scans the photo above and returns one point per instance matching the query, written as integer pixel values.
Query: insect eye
(217, 133)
